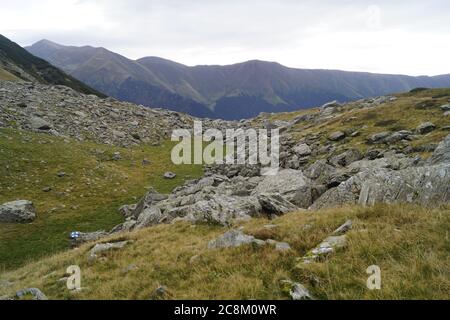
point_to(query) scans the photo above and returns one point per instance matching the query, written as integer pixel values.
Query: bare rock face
(20, 211)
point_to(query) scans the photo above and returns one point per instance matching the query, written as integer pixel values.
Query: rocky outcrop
(427, 186)
(20, 211)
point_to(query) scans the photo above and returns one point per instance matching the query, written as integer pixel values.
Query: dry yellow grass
(5, 75)
(409, 243)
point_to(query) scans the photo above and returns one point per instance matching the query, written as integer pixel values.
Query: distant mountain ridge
(230, 92)
(17, 63)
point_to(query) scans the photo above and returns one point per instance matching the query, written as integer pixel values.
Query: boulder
(302, 150)
(296, 290)
(292, 185)
(378, 137)
(346, 158)
(40, 124)
(234, 238)
(169, 175)
(337, 136)
(425, 128)
(427, 186)
(148, 217)
(100, 248)
(445, 107)
(320, 172)
(82, 237)
(34, 292)
(442, 152)
(20, 211)
(346, 227)
(325, 248)
(275, 204)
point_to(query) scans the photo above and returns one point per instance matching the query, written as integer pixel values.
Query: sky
(400, 37)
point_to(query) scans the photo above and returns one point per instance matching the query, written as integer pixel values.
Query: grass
(87, 198)
(409, 243)
(7, 76)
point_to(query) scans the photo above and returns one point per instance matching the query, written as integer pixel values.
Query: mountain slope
(231, 92)
(16, 61)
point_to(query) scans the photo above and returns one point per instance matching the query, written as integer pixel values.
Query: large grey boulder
(20, 211)
(275, 204)
(292, 185)
(40, 124)
(346, 158)
(148, 217)
(427, 186)
(320, 172)
(442, 152)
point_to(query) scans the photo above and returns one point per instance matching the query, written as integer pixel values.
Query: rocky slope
(238, 91)
(61, 111)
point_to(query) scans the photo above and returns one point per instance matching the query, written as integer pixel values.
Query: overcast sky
(408, 37)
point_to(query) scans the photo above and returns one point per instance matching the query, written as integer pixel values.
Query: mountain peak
(47, 43)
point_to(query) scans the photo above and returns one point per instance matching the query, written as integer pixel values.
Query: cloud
(379, 35)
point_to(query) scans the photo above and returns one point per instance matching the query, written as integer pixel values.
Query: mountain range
(229, 92)
(18, 64)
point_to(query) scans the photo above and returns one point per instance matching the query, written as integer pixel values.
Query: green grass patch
(85, 199)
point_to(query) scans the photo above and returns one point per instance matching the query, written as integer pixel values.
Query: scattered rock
(346, 227)
(34, 292)
(40, 124)
(170, 175)
(282, 246)
(104, 247)
(302, 150)
(378, 137)
(117, 156)
(337, 136)
(426, 127)
(276, 204)
(20, 211)
(234, 238)
(445, 107)
(296, 290)
(326, 247)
